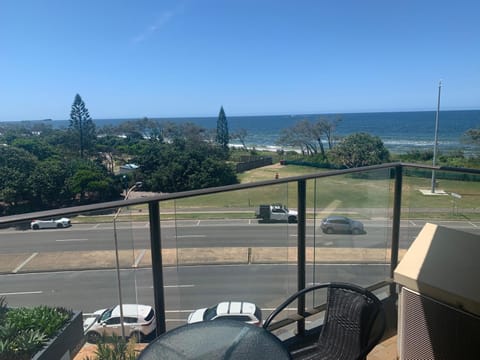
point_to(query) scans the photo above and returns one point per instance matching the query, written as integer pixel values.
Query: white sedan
(50, 224)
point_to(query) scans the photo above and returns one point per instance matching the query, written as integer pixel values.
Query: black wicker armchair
(354, 323)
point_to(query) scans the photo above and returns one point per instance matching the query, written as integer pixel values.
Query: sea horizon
(400, 131)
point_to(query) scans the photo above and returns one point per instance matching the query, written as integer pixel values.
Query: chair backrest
(354, 320)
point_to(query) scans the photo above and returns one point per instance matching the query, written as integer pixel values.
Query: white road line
(22, 293)
(198, 223)
(96, 226)
(472, 224)
(412, 223)
(139, 258)
(71, 240)
(17, 269)
(178, 286)
(190, 236)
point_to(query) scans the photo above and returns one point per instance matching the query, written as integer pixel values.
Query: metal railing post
(301, 251)
(397, 208)
(157, 266)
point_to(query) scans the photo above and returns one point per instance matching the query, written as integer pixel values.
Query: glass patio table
(218, 339)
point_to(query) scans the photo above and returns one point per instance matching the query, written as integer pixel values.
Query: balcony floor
(386, 350)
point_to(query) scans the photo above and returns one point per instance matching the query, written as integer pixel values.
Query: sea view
(400, 131)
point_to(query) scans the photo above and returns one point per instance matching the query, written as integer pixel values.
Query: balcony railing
(183, 251)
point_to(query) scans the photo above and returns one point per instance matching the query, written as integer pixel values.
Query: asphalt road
(207, 234)
(194, 286)
(186, 288)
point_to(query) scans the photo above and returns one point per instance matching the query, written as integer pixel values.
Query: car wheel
(329, 231)
(36, 227)
(59, 226)
(292, 219)
(356, 231)
(138, 336)
(93, 337)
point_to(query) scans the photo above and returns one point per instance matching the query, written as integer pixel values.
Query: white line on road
(472, 224)
(190, 236)
(17, 269)
(22, 293)
(71, 240)
(139, 258)
(178, 286)
(412, 223)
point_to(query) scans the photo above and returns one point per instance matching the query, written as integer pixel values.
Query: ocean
(399, 131)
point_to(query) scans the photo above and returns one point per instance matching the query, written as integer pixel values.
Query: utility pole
(117, 261)
(435, 145)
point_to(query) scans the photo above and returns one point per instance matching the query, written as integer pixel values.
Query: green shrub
(115, 348)
(24, 331)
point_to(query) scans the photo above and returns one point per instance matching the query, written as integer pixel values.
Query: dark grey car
(341, 224)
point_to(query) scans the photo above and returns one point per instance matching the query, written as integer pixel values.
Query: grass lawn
(368, 196)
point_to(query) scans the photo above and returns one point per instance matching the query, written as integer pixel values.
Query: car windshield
(210, 313)
(106, 315)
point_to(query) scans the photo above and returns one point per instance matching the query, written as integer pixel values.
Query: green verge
(368, 196)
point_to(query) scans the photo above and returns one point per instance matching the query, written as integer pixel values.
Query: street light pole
(127, 193)
(435, 145)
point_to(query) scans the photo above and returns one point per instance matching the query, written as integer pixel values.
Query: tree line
(43, 168)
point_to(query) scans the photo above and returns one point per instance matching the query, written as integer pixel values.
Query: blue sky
(131, 59)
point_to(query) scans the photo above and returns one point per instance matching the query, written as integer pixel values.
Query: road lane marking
(412, 223)
(21, 293)
(139, 258)
(190, 236)
(472, 224)
(17, 269)
(71, 240)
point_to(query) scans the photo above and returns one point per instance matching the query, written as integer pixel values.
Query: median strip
(105, 259)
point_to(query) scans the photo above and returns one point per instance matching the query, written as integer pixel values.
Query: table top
(217, 339)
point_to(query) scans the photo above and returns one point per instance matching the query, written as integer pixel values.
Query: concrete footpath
(105, 259)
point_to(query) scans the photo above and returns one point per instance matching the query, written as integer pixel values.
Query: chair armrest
(291, 299)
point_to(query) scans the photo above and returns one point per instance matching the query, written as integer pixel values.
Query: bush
(115, 348)
(24, 331)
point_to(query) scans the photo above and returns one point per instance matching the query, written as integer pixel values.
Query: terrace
(183, 251)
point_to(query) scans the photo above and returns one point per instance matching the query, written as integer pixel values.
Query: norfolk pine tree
(81, 124)
(222, 136)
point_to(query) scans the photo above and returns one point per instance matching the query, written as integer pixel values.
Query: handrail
(13, 219)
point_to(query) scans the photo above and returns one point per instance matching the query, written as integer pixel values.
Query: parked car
(50, 224)
(341, 224)
(232, 310)
(139, 321)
